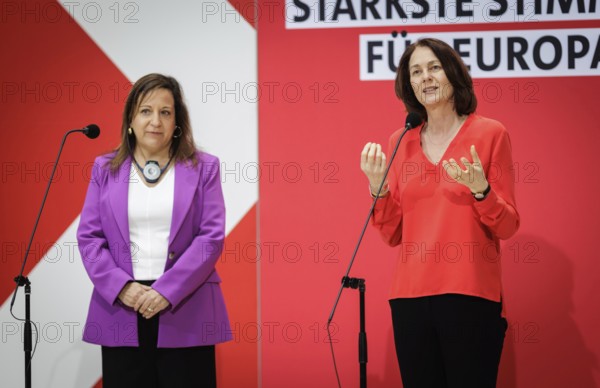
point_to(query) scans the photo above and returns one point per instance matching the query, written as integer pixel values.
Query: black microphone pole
(92, 131)
(412, 120)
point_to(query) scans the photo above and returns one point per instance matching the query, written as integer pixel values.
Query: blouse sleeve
(498, 211)
(387, 215)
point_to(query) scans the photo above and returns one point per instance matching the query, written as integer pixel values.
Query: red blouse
(449, 242)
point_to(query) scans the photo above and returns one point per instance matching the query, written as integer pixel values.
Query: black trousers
(448, 341)
(151, 367)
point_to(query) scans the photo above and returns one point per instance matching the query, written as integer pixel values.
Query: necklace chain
(449, 137)
(445, 142)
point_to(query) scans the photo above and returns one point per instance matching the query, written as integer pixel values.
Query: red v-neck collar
(463, 128)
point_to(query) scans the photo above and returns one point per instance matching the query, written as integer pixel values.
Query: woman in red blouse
(448, 201)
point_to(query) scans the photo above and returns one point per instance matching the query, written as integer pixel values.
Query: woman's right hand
(373, 163)
(131, 292)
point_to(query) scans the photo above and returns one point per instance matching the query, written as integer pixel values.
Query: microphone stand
(23, 281)
(348, 282)
(362, 334)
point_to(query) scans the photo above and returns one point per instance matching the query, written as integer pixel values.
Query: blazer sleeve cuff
(118, 280)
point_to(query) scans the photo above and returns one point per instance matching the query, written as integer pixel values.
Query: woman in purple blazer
(151, 232)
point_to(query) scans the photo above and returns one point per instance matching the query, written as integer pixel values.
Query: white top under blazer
(150, 210)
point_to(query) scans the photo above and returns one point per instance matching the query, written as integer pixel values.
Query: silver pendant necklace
(152, 171)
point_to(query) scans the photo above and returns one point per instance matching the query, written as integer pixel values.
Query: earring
(130, 131)
(175, 136)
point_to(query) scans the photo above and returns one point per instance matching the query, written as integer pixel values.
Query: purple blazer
(197, 315)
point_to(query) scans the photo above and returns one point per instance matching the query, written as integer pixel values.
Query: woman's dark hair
(183, 147)
(464, 98)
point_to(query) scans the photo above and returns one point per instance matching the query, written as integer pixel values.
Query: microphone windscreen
(413, 120)
(92, 131)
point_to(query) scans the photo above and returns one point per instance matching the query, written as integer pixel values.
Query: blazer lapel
(186, 182)
(118, 189)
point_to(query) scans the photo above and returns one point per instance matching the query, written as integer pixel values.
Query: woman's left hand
(473, 176)
(151, 303)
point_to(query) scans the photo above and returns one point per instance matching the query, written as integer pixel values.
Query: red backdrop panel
(54, 78)
(315, 117)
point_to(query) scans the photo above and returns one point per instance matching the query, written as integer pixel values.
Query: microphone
(412, 120)
(92, 131)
